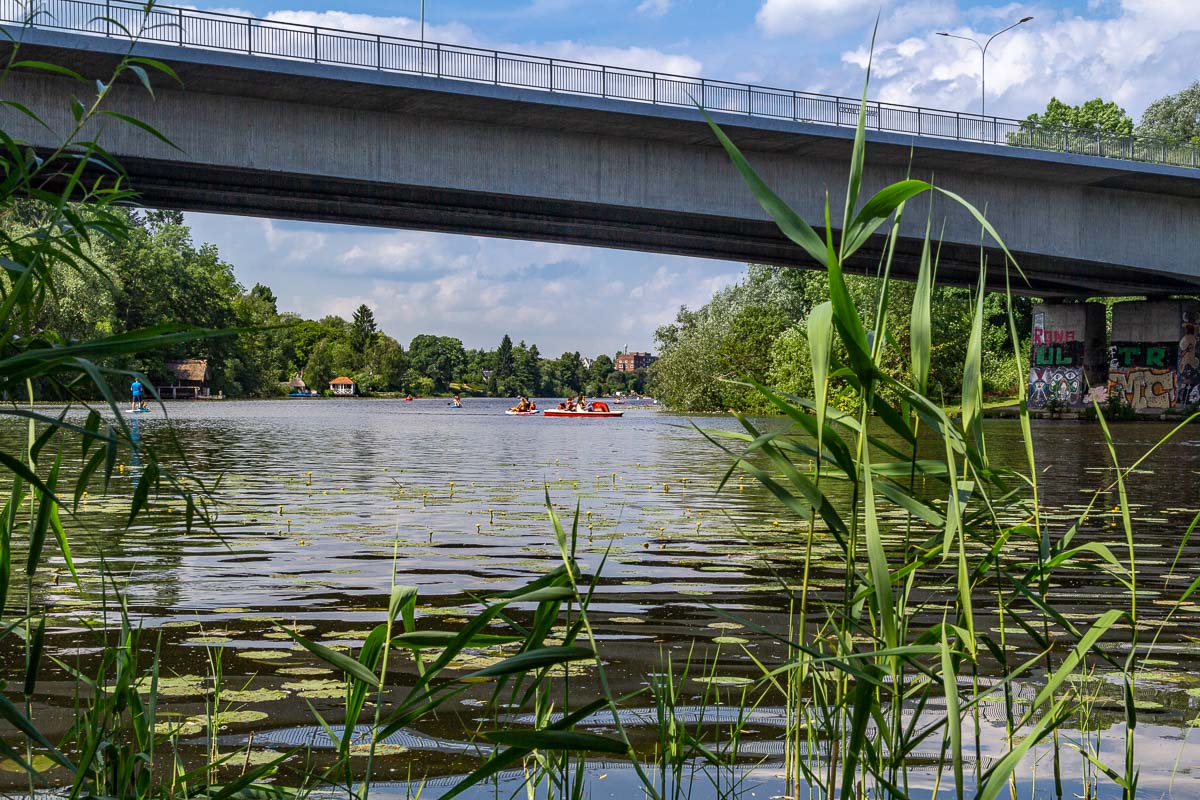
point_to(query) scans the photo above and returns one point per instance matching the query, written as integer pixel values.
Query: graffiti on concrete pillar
(1064, 383)
(1144, 388)
(1144, 374)
(1055, 364)
(1150, 355)
(1188, 392)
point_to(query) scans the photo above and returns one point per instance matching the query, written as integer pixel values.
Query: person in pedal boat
(522, 405)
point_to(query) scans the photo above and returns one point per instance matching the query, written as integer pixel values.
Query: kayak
(512, 413)
(554, 412)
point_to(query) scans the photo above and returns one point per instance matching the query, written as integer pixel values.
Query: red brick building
(628, 362)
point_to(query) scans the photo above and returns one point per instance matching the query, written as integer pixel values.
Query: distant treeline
(757, 330)
(161, 277)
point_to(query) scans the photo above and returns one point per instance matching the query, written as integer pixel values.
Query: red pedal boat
(599, 409)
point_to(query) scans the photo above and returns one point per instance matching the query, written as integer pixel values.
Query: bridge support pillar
(1067, 358)
(1153, 358)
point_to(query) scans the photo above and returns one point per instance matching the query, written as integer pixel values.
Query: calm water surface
(319, 500)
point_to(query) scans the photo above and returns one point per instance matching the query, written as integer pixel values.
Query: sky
(593, 300)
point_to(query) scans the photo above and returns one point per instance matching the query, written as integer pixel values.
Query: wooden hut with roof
(189, 380)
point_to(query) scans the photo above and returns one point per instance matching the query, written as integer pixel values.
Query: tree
(388, 363)
(502, 368)
(263, 294)
(439, 358)
(597, 374)
(362, 329)
(526, 376)
(566, 374)
(318, 372)
(1173, 118)
(1084, 128)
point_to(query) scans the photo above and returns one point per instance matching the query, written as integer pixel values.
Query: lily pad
(223, 718)
(316, 689)
(265, 655)
(253, 695)
(39, 762)
(723, 680)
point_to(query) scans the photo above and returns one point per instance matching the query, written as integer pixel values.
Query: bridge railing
(278, 39)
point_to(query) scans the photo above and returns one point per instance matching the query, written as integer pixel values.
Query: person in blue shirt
(136, 389)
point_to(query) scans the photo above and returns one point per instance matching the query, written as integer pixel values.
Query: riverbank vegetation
(757, 330)
(157, 275)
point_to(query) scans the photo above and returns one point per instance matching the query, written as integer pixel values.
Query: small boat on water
(512, 413)
(598, 409)
(554, 412)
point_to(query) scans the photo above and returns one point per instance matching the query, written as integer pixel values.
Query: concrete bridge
(311, 140)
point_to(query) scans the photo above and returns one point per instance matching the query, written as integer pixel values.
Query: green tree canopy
(439, 358)
(1094, 116)
(362, 329)
(1174, 117)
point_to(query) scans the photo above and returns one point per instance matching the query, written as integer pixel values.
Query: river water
(319, 502)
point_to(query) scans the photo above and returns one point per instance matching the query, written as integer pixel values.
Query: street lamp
(983, 59)
(422, 22)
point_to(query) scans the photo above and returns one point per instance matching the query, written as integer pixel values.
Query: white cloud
(647, 58)
(561, 297)
(294, 245)
(1148, 48)
(654, 8)
(818, 18)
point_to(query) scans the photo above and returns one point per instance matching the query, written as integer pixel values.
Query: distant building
(628, 362)
(342, 385)
(189, 379)
(587, 362)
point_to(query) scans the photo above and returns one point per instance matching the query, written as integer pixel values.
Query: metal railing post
(654, 88)
(250, 36)
(181, 27)
(439, 60)
(108, 17)
(378, 52)
(551, 81)
(957, 126)
(316, 47)
(496, 69)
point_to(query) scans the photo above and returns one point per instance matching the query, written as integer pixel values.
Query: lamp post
(983, 59)
(422, 23)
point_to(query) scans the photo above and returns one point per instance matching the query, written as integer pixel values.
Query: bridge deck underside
(288, 139)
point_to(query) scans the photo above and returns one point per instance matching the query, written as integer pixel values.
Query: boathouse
(188, 379)
(342, 385)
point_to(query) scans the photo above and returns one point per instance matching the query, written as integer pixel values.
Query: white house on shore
(342, 385)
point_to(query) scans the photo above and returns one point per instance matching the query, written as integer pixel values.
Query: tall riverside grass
(868, 683)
